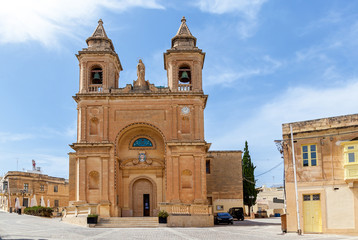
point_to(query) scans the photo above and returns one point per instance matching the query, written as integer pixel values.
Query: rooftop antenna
(17, 164)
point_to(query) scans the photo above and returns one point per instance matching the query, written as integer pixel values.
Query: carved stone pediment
(135, 163)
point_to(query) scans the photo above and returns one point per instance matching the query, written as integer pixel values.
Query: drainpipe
(299, 231)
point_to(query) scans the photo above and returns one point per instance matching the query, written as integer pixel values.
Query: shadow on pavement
(255, 223)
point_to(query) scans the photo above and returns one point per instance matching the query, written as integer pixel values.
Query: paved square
(14, 226)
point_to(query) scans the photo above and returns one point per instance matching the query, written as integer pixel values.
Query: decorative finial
(100, 21)
(183, 19)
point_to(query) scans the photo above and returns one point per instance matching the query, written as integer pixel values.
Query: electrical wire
(270, 169)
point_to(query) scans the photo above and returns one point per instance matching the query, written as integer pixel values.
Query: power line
(270, 169)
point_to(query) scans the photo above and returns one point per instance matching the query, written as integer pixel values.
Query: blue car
(223, 218)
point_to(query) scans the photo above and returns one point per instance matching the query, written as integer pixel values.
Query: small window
(350, 152)
(42, 188)
(306, 197)
(56, 203)
(26, 187)
(315, 197)
(55, 188)
(309, 155)
(208, 166)
(142, 142)
(351, 157)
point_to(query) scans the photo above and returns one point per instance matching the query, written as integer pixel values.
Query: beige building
(326, 153)
(224, 180)
(141, 148)
(28, 185)
(269, 201)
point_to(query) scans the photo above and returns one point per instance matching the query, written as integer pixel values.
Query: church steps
(128, 222)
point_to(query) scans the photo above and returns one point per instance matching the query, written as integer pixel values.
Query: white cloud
(13, 137)
(46, 20)
(246, 10)
(224, 75)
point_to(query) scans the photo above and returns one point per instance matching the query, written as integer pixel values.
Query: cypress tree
(248, 168)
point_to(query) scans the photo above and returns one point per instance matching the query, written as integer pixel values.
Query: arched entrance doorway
(142, 198)
(140, 154)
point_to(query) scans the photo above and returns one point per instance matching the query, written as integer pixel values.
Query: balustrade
(95, 88)
(184, 87)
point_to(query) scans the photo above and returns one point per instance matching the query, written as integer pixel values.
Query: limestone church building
(141, 148)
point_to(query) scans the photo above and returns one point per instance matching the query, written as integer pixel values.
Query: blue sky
(267, 63)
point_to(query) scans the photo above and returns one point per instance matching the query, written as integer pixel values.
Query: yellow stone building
(29, 185)
(141, 148)
(326, 153)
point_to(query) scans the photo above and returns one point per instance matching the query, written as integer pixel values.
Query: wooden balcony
(351, 173)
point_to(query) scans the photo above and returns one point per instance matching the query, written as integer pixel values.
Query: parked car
(237, 212)
(223, 218)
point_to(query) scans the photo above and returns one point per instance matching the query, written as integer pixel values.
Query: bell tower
(184, 62)
(99, 63)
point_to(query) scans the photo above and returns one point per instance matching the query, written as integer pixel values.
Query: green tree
(248, 168)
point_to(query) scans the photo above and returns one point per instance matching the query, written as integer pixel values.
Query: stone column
(175, 122)
(82, 180)
(104, 179)
(105, 123)
(197, 179)
(196, 122)
(175, 179)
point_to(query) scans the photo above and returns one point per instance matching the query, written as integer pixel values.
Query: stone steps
(128, 222)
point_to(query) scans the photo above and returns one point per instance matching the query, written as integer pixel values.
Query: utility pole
(299, 231)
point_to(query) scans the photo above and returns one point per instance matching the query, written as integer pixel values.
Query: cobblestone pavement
(14, 226)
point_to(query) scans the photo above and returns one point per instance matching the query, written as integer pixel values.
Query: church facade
(141, 148)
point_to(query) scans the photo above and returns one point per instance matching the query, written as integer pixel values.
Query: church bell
(184, 77)
(96, 76)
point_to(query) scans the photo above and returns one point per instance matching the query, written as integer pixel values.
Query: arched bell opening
(184, 78)
(96, 79)
(96, 75)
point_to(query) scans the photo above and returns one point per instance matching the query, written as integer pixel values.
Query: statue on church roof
(140, 73)
(141, 83)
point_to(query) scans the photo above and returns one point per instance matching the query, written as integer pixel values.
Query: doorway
(146, 205)
(312, 220)
(142, 198)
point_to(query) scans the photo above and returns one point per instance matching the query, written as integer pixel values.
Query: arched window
(142, 142)
(96, 75)
(93, 180)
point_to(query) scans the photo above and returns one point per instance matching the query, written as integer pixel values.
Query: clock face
(185, 110)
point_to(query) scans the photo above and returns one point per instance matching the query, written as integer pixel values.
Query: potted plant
(163, 215)
(92, 219)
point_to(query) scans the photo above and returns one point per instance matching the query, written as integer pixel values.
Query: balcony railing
(184, 87)
(95, 88)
